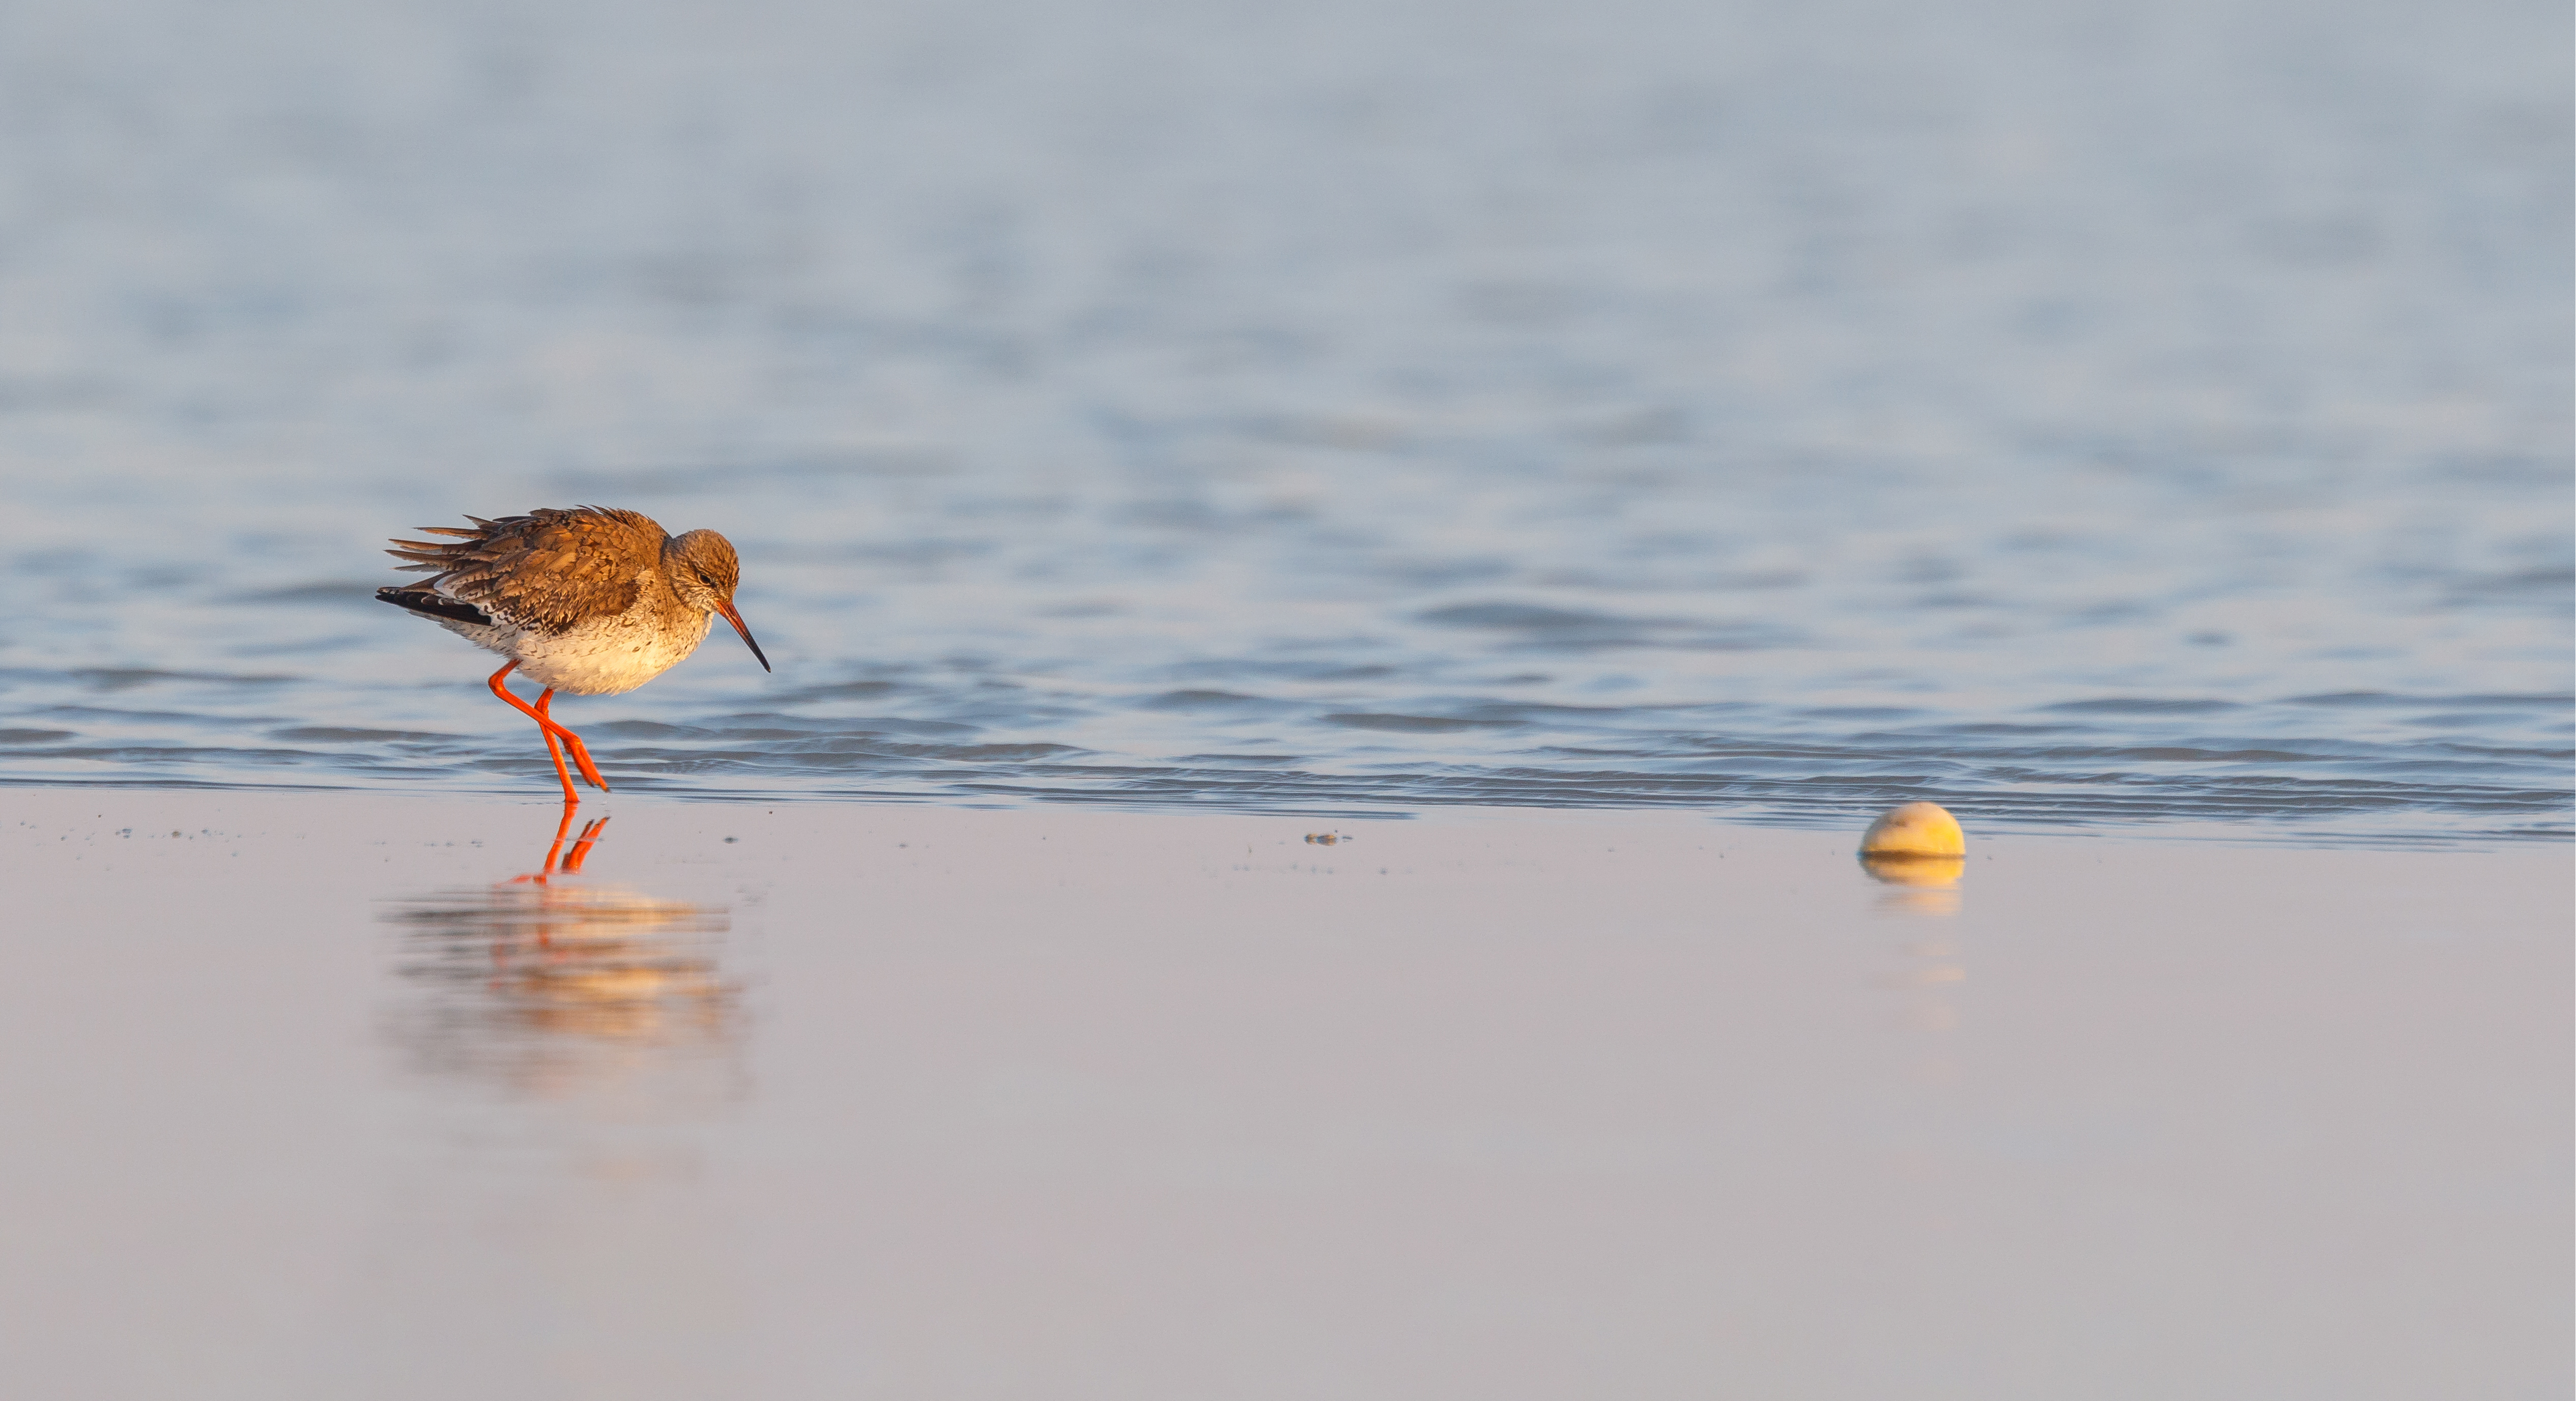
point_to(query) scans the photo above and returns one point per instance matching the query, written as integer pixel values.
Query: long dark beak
(735, 618)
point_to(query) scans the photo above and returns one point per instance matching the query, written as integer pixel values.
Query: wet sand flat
(306, 1097)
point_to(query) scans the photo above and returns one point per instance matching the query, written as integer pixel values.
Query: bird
(585, 599)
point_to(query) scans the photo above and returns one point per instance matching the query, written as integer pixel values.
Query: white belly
(598, 659)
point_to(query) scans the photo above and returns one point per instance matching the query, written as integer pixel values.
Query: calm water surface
(2077, 413)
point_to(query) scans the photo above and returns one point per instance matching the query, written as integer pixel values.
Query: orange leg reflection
(581, 845)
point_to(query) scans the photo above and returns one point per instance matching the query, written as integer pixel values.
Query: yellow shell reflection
(1927, 885)
(1937, 872)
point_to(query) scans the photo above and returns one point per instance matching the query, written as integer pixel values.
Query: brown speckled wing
(547, 570)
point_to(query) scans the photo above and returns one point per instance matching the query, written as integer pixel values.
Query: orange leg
(580, 751)
(553, 732)
(554, 751)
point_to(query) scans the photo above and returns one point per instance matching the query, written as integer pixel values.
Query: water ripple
(1320, 427)
(1753, 762)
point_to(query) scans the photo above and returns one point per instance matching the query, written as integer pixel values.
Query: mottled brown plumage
(590, 600)
(546, 571)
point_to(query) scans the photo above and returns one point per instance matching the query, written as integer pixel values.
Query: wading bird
(589, 600)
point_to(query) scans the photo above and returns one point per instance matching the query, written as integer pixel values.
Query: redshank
(589, 600)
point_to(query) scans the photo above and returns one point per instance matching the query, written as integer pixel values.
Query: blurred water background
(2081, 413)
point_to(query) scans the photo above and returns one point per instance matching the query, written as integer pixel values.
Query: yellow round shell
(1915, 829)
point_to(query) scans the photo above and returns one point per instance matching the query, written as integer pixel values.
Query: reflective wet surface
(567, 1057)
(2079, 414)
(345, 1095)
(566, 993)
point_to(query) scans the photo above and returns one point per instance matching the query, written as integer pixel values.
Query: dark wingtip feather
(434, 605)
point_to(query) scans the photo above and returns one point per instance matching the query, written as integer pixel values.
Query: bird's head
(704, 571)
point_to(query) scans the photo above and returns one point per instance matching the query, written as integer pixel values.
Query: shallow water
(2078, 414)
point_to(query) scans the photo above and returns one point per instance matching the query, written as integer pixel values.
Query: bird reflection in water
(554, 987)
(570, 1048)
